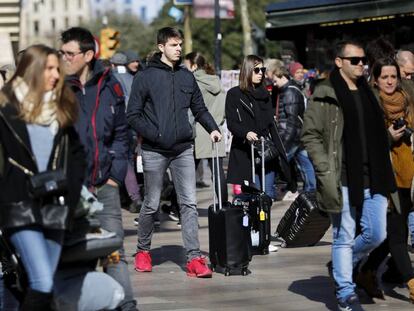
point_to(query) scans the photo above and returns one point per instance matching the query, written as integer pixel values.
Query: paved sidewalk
(289, 279)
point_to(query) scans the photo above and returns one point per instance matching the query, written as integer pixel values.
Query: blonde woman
(41, 167)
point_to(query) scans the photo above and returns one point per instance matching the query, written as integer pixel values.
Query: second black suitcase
(303, 223)
(258, 205)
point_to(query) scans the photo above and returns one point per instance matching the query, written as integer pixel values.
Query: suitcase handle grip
(216, 176)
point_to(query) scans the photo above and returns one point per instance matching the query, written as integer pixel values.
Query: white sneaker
(273, 248)
(290, 196)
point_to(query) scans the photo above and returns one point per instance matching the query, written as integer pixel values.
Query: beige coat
(214, 98)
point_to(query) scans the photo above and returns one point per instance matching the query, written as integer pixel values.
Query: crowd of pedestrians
(68, 122)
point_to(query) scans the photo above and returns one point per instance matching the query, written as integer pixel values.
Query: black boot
(37, 301)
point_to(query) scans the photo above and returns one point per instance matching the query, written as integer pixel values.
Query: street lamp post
(217, 32)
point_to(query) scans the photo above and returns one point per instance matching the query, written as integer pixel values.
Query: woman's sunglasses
(256, 70)
(354, 60)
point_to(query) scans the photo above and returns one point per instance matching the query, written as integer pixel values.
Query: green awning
(293, 13)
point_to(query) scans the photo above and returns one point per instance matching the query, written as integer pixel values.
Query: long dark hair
(246, 72)
(195, 58)
(376, 73)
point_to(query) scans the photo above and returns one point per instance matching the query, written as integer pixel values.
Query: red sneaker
(198, 267)
(143, 262)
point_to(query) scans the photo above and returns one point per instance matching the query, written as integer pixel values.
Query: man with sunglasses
(345, 136)
(102, 128)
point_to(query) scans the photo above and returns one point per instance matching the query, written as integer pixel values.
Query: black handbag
(270, 150)
(48, 183)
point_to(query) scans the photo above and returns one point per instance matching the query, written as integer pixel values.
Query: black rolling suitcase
(303, 223)
(229, 232)
(258, 204)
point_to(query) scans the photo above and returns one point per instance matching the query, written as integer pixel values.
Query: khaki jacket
(322, 137)
(214, 98)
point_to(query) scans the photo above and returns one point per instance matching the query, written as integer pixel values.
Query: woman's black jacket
(245, 112)
(17, 207)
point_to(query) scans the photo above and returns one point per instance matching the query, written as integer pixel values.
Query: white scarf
(47, 117)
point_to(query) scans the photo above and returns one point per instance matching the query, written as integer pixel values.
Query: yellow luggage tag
(262, 216)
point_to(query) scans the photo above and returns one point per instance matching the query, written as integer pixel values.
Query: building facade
(42, 21)
(145, 10)
(9, 29)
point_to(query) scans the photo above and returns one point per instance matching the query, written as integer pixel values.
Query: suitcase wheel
(244, 271)
(226, 272)
(213, 268)
(265, 251)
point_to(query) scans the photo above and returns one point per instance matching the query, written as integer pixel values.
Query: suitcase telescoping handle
(216, 175)
(262, 140)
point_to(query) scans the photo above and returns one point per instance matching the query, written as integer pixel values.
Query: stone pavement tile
(289, 279)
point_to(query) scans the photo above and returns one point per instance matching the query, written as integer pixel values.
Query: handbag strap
(65, 156)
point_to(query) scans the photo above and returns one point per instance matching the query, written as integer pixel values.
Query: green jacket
(322, 137)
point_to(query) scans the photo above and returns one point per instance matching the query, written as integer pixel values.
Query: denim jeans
(269, 183)
(39, 251)
(111, 219)
(348, 250)
(183, 174)
(305, 167)
(77, 289)
(82, 290)
(411, 226)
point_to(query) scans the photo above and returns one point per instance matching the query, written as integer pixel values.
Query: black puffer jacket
(158, 107)
(290, 115)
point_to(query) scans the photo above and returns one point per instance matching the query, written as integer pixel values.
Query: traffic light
(109, 42)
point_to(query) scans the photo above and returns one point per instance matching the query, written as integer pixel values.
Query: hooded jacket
(322, 137)
(102, 125)
(158, 107)
(214, 98)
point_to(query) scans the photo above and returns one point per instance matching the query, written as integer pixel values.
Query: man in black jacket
(158, 110)
(290, 107)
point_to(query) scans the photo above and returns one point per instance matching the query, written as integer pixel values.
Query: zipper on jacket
(175, 115)
(95, 134)
(247, 106)
(21, 167)
(238, 113)
(335, 152)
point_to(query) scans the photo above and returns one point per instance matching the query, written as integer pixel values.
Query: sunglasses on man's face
(256, 70)
(354, 60)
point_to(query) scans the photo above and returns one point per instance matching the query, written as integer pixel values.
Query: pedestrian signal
(109, 42)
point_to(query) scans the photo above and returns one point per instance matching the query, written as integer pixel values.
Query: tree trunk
(188, 40)
(247, 30)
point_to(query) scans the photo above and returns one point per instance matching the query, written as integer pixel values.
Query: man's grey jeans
(183, 175)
